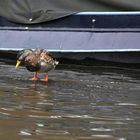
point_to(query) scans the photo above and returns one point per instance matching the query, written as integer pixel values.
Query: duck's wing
(49, 54)
(38, 51)
(48, 58)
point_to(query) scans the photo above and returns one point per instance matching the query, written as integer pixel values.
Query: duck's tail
(56, 63)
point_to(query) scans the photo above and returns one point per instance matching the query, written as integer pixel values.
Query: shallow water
(78, 103)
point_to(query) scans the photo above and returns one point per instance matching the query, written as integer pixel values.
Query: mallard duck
(37, 61)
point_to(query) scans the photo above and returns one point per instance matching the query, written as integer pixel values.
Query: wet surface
(78, 103)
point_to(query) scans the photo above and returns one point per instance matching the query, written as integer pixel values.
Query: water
(78, 103)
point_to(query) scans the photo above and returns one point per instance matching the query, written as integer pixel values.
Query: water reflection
(77, 103)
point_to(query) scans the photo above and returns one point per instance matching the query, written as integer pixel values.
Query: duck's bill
(18, 63)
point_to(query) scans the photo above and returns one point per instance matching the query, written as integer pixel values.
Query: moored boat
(108, 36)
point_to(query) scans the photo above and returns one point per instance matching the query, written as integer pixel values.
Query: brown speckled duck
(37, 61)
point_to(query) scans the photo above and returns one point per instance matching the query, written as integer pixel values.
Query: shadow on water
(78, 103)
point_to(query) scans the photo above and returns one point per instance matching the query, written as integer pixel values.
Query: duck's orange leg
(46, 78)
(35, 77)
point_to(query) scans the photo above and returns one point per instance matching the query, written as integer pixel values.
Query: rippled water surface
(78, 103)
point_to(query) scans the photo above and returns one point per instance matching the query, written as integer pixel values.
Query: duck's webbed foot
(45, 79)
(35, 78)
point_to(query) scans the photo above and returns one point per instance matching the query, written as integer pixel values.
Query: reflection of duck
(35, 61)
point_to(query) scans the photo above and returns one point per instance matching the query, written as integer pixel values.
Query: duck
(37, 61)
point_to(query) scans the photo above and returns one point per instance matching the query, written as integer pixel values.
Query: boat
(76, 36)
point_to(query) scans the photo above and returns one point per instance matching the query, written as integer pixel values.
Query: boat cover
(36, 11)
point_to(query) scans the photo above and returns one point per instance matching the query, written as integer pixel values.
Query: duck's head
(22, 55)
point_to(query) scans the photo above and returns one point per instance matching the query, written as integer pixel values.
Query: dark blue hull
(103, 36)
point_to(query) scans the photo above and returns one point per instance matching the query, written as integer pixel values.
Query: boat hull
(91, 40)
